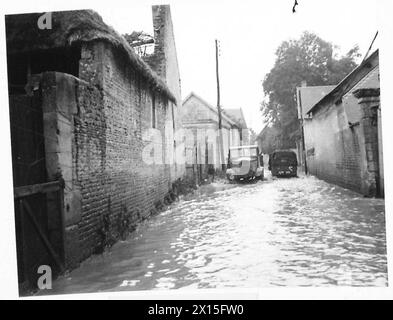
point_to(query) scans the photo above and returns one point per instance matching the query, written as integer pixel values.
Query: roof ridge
(214, 109)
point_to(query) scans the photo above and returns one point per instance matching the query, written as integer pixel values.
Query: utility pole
(221, 142)
(304, 152)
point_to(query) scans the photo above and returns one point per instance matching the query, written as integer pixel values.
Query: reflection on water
(279, 232)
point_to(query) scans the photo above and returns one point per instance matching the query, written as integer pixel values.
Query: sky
(249, 33)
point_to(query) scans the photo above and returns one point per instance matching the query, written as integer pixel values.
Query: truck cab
(283, 163)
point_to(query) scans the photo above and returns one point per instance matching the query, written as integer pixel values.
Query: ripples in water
(280, 232)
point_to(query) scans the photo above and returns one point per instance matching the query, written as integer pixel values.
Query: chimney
(304, 83)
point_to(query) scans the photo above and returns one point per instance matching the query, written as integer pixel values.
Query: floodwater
(278, 232)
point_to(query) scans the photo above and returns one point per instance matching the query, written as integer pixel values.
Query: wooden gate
(39, 229)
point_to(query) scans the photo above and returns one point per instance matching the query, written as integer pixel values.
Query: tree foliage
(309, 59)
(269, 140)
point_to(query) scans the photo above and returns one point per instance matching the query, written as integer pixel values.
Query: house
(240, 124)
(200, 120)
(86, 112)
(343, 141)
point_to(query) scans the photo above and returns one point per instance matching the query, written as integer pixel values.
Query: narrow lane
(279, 232)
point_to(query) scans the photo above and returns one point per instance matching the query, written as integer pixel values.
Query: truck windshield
(290, 156)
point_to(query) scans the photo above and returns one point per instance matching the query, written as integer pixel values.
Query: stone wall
(333, 152)
(372, 174)
(60, 109)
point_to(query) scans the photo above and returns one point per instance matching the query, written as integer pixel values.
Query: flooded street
(279, 232)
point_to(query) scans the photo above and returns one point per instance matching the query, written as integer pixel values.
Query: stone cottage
(342, 131)
(86, 114)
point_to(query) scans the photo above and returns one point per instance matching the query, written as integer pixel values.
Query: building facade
(200, 122)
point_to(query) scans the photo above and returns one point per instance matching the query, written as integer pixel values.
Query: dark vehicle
(283, 163)
(244, 163)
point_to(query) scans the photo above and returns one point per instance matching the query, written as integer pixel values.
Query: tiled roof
(309, 96)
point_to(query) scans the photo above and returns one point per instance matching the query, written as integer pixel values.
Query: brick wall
(99, 129)
(101, 134)
(110, 135)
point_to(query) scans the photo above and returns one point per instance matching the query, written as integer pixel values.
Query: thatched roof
(70, 27)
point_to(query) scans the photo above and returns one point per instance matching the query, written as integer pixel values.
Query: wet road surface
(278, 232)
